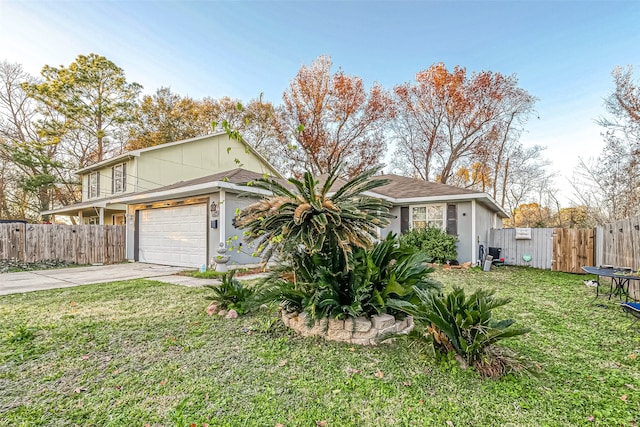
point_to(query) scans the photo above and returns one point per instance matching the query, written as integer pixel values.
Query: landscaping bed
(14, 266)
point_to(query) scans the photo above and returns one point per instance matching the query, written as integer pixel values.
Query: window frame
(93, 190)
(119, 184)
(442, 221)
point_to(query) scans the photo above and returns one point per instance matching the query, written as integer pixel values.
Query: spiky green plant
(465, 325)
(232, 294)
(308, 218)
(380, 280)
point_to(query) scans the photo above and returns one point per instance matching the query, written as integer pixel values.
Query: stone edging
(359, 331)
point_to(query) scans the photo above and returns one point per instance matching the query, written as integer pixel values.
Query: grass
(141, 352)
(212, 274)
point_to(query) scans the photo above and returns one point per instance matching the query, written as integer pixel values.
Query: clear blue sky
(563, 52)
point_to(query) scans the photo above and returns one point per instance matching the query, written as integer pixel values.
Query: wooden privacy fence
(539, 247)
(81, 244)
(557, 249)
(619, 243)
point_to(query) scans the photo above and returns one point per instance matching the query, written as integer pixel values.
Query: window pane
(93, 185)
(118, 181)
(438, 223)
(419, 224)
(436, 212)
(419, 213)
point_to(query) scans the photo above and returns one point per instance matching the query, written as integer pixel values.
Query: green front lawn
(141, 352)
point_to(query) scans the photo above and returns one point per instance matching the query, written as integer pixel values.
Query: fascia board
(448, 198)
(76, 208)
(190, 190)
(105, 163)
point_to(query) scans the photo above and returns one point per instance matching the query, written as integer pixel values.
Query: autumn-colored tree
(529, 215)
(255, 120)
(575, 217)
(624, 102)
(448, 120)
(618, 166)
(477, 176)
(167, 117)
(330, 118)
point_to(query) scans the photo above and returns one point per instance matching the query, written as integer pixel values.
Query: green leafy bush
(232, 294)
(437, 244)
(465, 325)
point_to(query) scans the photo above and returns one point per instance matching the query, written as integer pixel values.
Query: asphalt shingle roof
(402, 187)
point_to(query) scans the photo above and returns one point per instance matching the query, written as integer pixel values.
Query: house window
(94, 184)
(119, 178)
(428, 215)
(118, 219)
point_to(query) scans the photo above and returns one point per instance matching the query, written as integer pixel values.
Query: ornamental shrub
(437, 244)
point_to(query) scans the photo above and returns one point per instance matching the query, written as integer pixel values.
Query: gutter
(197, 188)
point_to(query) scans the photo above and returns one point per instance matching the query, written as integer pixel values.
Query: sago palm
(308, 218)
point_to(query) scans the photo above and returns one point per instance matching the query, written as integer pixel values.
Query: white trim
(206, 187)
(426, 207)
(135, 174)
(437, 199)
(222, 207)
(91, 192)
(114, 160)
(474, 249)
(122, 167)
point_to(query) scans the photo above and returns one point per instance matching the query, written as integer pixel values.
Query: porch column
(101, 215)
(80, 218)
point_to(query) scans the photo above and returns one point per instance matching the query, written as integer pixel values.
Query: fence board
(81, 244)
(573, 248)
(621, 243)
(538, 247)
(555, 249)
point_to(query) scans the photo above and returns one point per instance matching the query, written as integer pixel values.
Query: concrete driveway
(13, 283)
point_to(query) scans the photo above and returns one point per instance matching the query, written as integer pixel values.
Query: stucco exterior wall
(394, 225)
(484, 224)
(239, 250)
(465, 236)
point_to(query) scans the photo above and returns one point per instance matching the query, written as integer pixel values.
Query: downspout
(474, 238)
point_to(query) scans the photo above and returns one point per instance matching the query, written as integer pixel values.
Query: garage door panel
(174, 236)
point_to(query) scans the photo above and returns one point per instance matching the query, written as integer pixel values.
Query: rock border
(359, 331)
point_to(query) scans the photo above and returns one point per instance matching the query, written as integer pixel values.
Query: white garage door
(173, 236)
